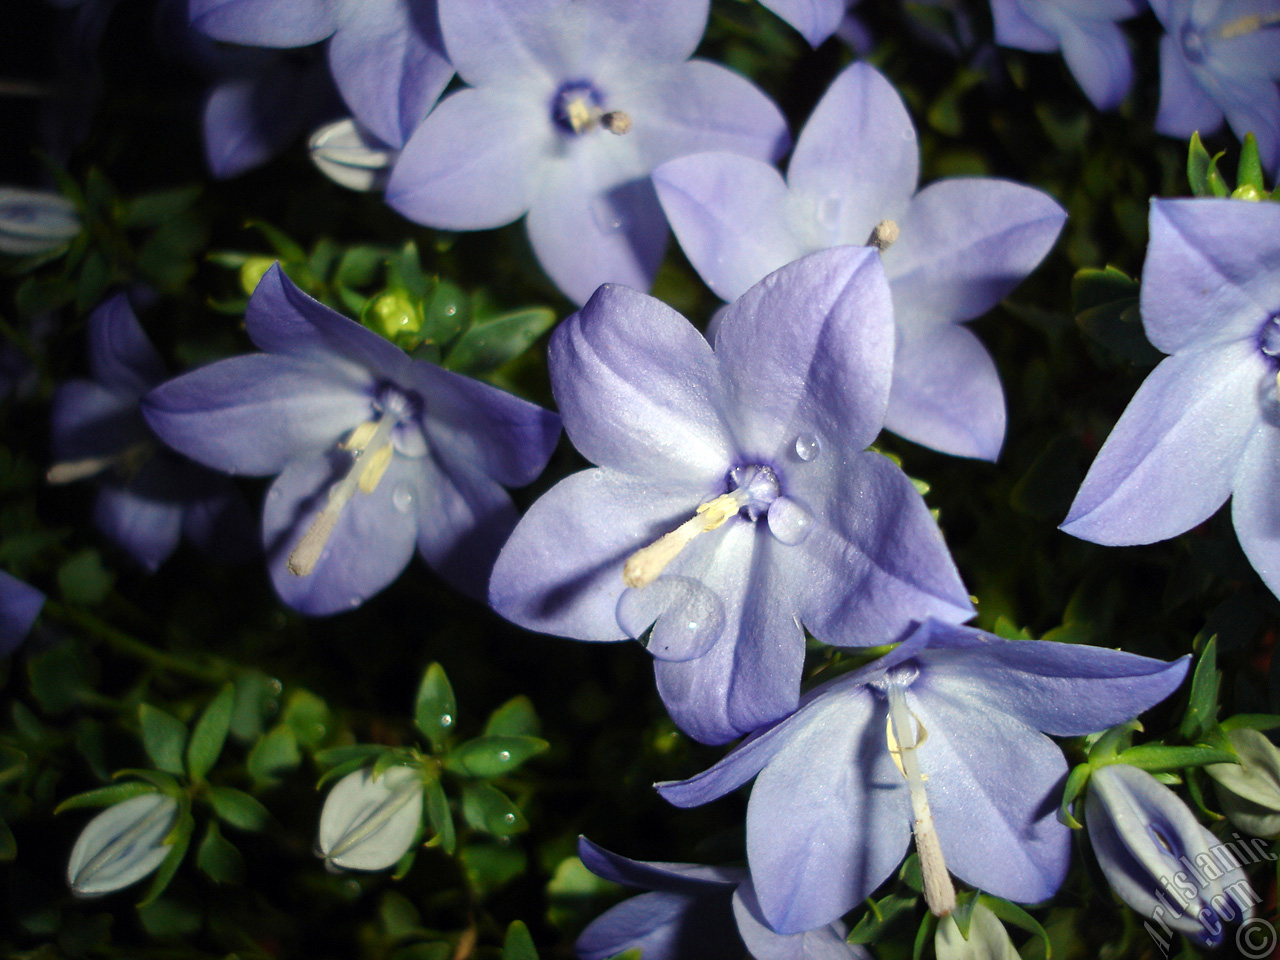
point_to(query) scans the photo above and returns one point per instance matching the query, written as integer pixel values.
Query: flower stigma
(939, 892)
(883, 235)
(755, 489)
(372, 447)
(578, 107)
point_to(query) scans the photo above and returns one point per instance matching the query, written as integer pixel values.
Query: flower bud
(351, 158)
(988, 939)
(368, 823)
(35, 221)
(1249, 791)
(121, 845)
(1160, 860)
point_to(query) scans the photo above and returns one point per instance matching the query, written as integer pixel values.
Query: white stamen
(939, 892)
(1243, 26)
(69, 471)
(615, 121)
(646, 564)
(883, 235)
(369, 463)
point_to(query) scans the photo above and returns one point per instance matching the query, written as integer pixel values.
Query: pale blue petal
(1170, 461)
(20, 604)
(1185, 105)
(1015, 28)
(146, 529)
(1097, 53)
(815, 19)
(824, 943)
(664, 926)
(265, 23)
(120, 355)
(1254, 507)
(672, 877)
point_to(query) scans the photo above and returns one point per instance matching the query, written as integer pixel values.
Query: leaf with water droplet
(489, 809)
(492, 342)
(435, 708)
(493, 756)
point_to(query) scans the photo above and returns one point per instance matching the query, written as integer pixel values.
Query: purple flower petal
(147, 529)
(371, 544)
(859, 129)
(255, 414)
(265, 23)
(1253, 504)
(1170, 461)
(815, 19)
(1185, 106)
(120, 355)
(746, 760)
(388, 60)
(20, 604)
(1098, 56)
(832, 311)
(586, 231)
(249, 118)
(707, 197)
(89, 421)
(671, 877)
(640, 389)
(664, 926)
(946, 392)
(824, 943)
(1014, 28)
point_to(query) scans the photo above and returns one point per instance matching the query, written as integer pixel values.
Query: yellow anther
(716, 512)
(379, 460)
(581, 116)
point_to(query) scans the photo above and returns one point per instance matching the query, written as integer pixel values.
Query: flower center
(753, 490)
(372, 446)
(578, 107)
(905, 735)
(1269, 336)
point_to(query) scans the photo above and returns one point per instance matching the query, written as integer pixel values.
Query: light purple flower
(1160, 860)
(694, 913)
(943, 733)
(1205, 425)
(963, 244)
(1084, 30)
(571, 104)
(386, 56)
(765, 438)
(1221, 57)
(374, 451)
(148, 497)
(815, 19)
(20, 604)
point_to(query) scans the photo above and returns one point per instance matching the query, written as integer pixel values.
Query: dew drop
(354, 602)
(504, 755)
(686, 617)
(789, 522)
(607, 217)
(402, 497)
(508, 818)
(446, 720)
(808, 447)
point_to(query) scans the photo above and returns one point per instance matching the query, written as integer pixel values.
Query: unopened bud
(35, 221)
(368, 823)
(350, 157)
(987, 940)
(1249, 791)
(121, 845)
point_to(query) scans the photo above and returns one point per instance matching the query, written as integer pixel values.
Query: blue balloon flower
(374, 451)
(942, 738)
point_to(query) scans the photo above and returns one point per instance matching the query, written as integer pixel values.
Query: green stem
(126, 644)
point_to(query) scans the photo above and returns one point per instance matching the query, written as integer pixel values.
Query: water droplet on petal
(607, 216)
(446, 720)
(808, 447)
(687, 618)
(402, 497)
(354, 602)
(789, 522)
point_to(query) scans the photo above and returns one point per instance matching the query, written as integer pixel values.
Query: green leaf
(1249, 171)
(170, 920)
(1157, 758)
(308, 717)
(359, 267)
(39, 295)
(255, 699)
(107, 796)
(490, 865)
(493, 756)
(404, 269)
(8, 845)
(488, 809)
(879, 916)
(435, 711)
(218, 859)
(164, 737)
(238, 808)
(162, 781)
(210, 733)
(515, 718)
(60, 675)
(1202, 707)
(1012, 913)
(492, 343)
(1075, 785)
(1198, 166)
(445, 312)
(84, 580)
(179, 839)
(1251, 721)
(153, 209)
(287, 250)
(439, 816)
(518, 945)
(275, 753)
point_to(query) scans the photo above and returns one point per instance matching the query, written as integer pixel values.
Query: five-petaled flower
(374, 451)
(951, 252)
(1205, 425)
(571, 104)
(733, 499)
(944, 738)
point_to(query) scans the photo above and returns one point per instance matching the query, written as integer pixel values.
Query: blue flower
(815, 19)
(961, 245)
(148, 497)
(374, 451)
(571, 104)
(1084, 30)
(733, 498)
(1205, 425)
(1160, 860)
(940, 738)
(1221, 57)
(694, 913)
(19, 606)
(386, 56)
